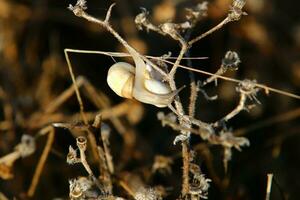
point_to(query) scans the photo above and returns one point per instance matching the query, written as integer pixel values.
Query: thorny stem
(186, 167)
(194, 90)
(180, 111)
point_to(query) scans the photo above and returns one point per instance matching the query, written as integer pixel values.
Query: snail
(136, 82)
(132, 82)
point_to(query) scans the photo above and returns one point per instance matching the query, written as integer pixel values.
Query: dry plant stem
(42, 161)
(269, 185)
(194, 88)
(106, 114)
(193, 96)
(118, 54)
(180, 111)
(92, 140)
(126, 188)
(237, 110)
(186, 167)
(76, 89)
(108, 156)
(217, 27)
(184, 48)
(214, 77)
(127, 133)
(63, 97)
(86, 165)
(90, 135)
(80, 12)
(106, 25)
(123, 54)
(290, 115)
(267, 89)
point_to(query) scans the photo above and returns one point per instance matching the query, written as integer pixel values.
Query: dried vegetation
(103, 139)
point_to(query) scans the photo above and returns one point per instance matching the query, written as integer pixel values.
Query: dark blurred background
(33, 35)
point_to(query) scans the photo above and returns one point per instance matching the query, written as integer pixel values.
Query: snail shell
(121, 79)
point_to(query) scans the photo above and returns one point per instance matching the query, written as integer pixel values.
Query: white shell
(120, 79)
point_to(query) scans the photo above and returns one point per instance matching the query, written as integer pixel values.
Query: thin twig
(76, 88)
(124, 54)
(236, 110)
(42, 161)
(217, 27)
(54, 105)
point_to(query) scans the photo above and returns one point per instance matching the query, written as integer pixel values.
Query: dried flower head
(236, 11)
(171, 29)
(229, 141)
(231, 61)
(141, 19)
(147, 194)
(27, 145)
(80, 188)
(200, 185)
(195, 13)
(165, 119)
(248, 88)
(78, 8)
(72, 156)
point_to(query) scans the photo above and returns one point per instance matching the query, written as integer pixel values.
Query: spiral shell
(120, 79)
(136, 83)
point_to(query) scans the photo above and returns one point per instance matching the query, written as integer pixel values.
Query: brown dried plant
(93, 136)
(215, 133)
